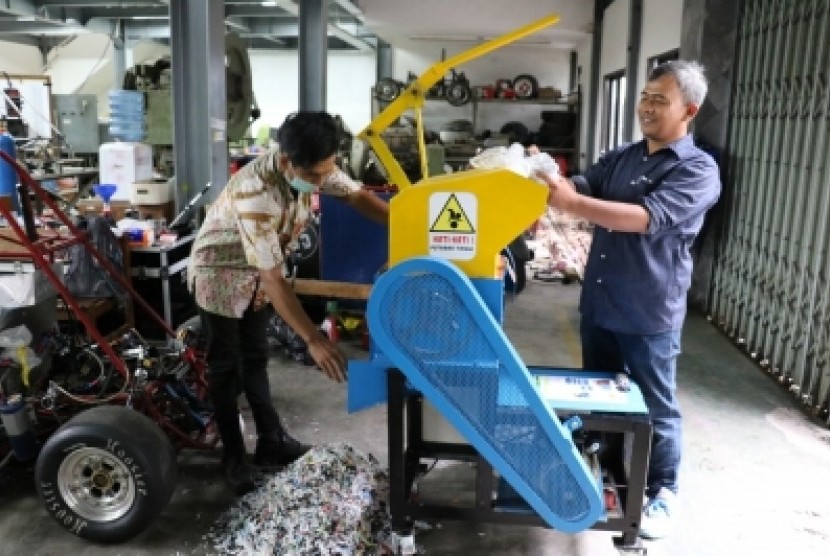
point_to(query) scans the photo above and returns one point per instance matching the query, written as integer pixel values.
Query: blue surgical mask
(302, 186)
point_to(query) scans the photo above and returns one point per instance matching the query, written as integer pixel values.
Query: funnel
(105, 191)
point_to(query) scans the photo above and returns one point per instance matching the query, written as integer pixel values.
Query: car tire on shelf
(526, 86)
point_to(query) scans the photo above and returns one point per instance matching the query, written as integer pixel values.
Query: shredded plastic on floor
(332, 501)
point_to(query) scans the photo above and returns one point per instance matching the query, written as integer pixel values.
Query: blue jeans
(651, 362)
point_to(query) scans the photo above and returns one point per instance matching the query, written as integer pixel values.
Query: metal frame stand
(407, 448)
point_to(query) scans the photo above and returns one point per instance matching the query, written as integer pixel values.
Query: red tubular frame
(41, 251)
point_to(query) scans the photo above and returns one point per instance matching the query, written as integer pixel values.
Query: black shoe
(241, 477)
(278, 453)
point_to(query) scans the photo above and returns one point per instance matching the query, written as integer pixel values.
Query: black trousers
(237, 358)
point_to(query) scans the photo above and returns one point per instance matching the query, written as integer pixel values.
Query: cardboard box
(151, 192)
(94, 206)
(164, 211)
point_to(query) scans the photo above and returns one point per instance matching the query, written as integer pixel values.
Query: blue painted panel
(429, 320)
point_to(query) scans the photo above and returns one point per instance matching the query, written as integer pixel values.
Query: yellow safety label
(452, 218)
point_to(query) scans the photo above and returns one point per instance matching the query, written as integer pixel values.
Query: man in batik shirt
(237, 268)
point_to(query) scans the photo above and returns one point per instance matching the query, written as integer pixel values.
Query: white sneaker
(656, 521)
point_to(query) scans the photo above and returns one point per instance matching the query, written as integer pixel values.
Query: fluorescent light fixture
(268, 4)
(28, 18)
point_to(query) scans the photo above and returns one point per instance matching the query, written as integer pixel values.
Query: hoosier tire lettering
(60, 512)
(106, 474)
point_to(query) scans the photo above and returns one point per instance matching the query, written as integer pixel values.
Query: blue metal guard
(429, 320)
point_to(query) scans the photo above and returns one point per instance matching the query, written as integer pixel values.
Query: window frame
(613, 110)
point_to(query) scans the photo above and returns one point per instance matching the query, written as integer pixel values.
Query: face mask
(302, 186)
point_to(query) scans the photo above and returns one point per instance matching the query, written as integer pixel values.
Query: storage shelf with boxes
(149, 200)
(153, 198)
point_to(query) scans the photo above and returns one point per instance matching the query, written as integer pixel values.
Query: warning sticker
(453, 219)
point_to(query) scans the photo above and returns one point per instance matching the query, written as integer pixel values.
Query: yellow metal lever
(413, 99)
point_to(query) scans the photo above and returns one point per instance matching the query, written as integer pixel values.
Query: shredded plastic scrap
(332, 501)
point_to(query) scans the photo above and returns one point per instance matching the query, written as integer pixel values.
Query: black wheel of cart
(459, 93)
(107, 473)
(526, 86)
(388, 89)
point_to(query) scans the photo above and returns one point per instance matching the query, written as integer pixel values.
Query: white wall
(348, 89)
(662, 21)
(662, 24)
(85, 65)
(613, 56)
(20, 59)
(75, 64)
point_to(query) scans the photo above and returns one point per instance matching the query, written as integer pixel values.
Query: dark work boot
(240, 475)
(235, 467)
(271, 452)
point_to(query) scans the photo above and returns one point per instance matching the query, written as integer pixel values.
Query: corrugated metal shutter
(771, 286)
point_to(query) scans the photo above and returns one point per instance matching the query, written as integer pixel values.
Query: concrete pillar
(119, 57)
(197, 30)
(710, 31)
(313, 50)
(593, 99)
(632, 69)
(385, 64)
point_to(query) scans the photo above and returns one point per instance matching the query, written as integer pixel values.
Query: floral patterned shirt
(254, 222)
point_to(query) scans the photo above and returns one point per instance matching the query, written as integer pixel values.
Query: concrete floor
(754, 476)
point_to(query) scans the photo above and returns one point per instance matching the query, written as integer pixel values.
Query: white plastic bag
(15, 341)
(514, 158)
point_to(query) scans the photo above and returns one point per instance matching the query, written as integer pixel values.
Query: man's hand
(324, 353)
(327, 357)
(612, 215)
(562, 194)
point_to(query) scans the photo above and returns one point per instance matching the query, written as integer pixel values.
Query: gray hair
(690, 76)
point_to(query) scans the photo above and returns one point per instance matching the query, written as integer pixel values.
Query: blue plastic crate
(352, 247)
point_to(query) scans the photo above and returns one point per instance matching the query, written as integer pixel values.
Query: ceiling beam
(255, 38)
(259, 27)
(19, 8)
(88, 14)
(349, 38)
(349, 6)
(37, 28)
(144, 30)
(149, 19)
(101, 3)
(256, 10)
(26, 40)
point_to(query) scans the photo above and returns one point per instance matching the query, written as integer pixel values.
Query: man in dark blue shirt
(647, 201)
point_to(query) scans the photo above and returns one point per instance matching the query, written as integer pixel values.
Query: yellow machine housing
(466, 217)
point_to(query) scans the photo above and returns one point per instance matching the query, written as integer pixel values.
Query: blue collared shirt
(636, 283)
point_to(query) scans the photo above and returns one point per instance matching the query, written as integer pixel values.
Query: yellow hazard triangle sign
(452, 218)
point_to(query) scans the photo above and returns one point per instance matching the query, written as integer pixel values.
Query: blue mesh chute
(428, 319)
